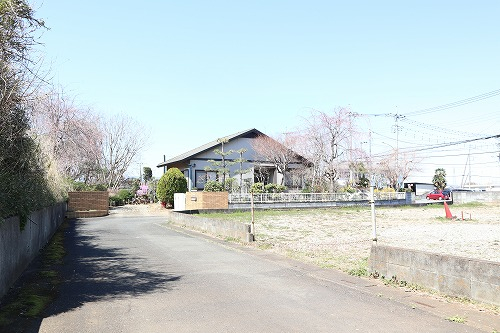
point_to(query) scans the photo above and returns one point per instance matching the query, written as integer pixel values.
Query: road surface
(135, 274)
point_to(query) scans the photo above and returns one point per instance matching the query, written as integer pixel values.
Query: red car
(438, 195)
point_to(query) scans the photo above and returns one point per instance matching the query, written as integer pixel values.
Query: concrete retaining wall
(213, 226)
(457, 276)
(18, 248)
(466, 197)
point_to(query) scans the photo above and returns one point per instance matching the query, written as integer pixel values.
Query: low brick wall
(452, 275)
(19, 247)
(206, 200)
(88, 204)
(213, 226)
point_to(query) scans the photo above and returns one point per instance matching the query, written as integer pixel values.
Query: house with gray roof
(196, 163)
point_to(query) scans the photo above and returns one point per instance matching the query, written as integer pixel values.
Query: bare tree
(70, 134)
(329, 144)
(278, 152)
(397, 166)
(122, 141)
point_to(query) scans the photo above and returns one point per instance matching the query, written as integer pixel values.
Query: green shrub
(274, 188)
(172, 181)
(115, 200)
(81, 186)
(125, 195)
(99, 187)
(348, 189)
(257, 188)
(385, 190)
(231, 185)
(213, 186)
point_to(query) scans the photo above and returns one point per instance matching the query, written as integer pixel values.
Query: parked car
(439, 195)
(447, 193)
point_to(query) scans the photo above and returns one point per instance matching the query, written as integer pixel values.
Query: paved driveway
(134, 274)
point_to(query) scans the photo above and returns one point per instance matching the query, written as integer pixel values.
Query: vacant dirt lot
(341, 238)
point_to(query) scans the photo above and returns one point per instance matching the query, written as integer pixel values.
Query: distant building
(194, 163)
(419, 188)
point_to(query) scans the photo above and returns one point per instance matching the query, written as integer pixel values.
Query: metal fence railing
(312, 197)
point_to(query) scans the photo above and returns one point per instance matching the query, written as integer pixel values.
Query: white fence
(312, 197)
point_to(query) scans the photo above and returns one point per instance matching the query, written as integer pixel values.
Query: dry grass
(341, 238)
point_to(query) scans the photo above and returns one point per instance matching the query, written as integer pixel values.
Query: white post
(252, 211)
(374, 222)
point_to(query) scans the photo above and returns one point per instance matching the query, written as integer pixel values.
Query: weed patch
(361, 270)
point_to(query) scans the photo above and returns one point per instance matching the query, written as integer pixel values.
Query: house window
(201, 177)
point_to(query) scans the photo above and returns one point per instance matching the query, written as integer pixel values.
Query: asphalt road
(134, 274)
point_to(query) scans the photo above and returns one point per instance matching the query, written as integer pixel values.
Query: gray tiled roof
(207, 146)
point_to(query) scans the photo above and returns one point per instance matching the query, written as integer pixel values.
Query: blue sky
(194, 71)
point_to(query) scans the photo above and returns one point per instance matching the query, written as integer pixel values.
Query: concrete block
(402, 273)
(425, 261)
(425, 278)
(452, 285)
(380, 252)
(454, 266)
(485, 271)
(477, 279)
(485, 292)
(378, 266)
(399, 256)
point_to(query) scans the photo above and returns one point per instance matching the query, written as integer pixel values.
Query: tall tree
(123, 139)
(24, 181)
(18, 25)
(222, 166)
(241, 171)
(439, 179)
(69, 133)
(329, 138)
(147, 174)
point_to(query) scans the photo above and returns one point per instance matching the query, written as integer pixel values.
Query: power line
(457, 143)
(455, 104)
(432, 147)
(463, 154)
(438, 108)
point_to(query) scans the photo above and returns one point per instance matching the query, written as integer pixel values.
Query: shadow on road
(92, 272)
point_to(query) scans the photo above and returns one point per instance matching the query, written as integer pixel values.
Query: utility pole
(469, 170)
(397, 128)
